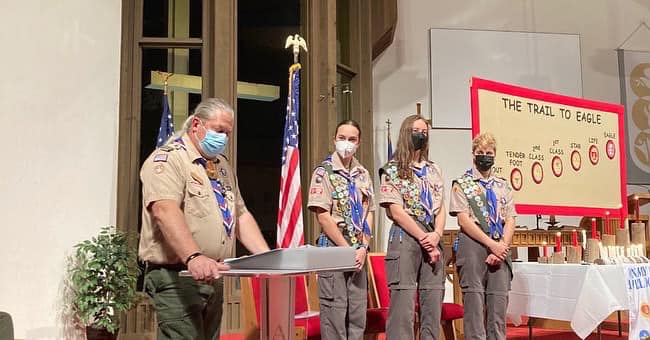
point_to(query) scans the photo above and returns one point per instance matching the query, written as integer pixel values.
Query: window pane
(180, 62)
(343, 32)
(343, 95)
(172, 18)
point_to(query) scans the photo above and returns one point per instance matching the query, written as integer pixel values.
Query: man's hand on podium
(203, 268)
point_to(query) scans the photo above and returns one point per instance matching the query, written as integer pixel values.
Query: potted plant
(104, 276)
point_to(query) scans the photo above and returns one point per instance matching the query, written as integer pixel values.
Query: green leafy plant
(104, 277)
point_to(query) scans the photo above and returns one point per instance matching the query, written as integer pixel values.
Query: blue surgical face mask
(213, 143)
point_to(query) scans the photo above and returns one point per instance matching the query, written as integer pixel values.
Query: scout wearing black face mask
(419, 139)
(484, 162)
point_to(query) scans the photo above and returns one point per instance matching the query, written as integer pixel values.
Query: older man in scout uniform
(192, 212)
(486, 215)
(344, 193)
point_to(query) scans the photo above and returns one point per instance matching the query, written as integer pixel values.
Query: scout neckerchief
(350, 204)
(418, 201)
(488, 217)
(425, 193)
(219, 191)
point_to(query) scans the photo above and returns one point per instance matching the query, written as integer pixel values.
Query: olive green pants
(6, 327)
(185, 308)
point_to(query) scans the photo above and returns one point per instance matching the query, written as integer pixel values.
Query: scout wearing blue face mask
(213, 143)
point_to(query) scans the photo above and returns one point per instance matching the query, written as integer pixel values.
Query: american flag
(290, 228)
(166, 129)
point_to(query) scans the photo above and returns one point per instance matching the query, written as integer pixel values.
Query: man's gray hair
(206, 110)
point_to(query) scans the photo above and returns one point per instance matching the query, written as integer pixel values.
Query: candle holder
(638, 235)
(543, 259)
(623, 236)
(574, 254)
(609, 240)
(592, 252)
(557, 258)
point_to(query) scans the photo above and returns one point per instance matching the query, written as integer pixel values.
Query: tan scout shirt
(505, 203)
(173, 172)
(390, 193)
(321, 188)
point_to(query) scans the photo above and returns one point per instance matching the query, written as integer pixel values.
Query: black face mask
(419, 139)
(484, 162)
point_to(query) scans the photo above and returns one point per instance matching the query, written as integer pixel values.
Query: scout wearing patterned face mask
(484, 207)
(342, 198)
(412, 193)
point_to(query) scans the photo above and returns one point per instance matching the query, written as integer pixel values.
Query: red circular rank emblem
(556, 166)
(537, 172)
(576, 160)
(593, 154)
(516, 179)
(610, 149)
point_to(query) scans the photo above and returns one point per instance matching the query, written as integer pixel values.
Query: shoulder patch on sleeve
(316, 191)
(385, 188)
(320, 171)
(161, 157)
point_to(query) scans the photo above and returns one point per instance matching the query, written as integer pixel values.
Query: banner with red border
(562, 155)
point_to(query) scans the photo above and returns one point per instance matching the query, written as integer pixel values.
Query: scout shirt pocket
(197, 201)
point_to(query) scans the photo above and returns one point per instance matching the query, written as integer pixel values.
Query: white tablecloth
(582, 294)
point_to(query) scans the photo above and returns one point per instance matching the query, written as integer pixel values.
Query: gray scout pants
(408, 270)
(485, 290)
(343, 301)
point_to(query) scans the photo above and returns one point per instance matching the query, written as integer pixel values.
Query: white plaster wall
(59, 89)
(401, 73)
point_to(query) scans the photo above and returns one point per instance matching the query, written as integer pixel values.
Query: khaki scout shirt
(321, 188)
(505, 203)
(173, 172)
(390, 193)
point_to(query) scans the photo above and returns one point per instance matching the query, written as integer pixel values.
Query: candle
(574, 238)
(544, 249)
(636, 208)
(558, 242)
(603, 251)
(607, 231)
(593, 228)
(584, 238)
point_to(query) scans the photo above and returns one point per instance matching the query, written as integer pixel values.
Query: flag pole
(165, 76)
(290, 230)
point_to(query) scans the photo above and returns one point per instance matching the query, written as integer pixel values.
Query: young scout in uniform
(486, 214)
(412, 193)
(192, 212)
(341, 195)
